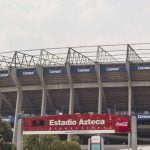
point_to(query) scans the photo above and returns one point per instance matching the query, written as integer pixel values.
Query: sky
(30, 24)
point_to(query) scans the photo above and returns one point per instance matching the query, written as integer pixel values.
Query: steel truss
(132, 55)
(74, 57)
(4, 61)
(45, 57)
(103, 56)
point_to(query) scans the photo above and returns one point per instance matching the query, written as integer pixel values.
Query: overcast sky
(27, 24)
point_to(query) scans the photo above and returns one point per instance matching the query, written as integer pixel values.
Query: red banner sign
(76, 124)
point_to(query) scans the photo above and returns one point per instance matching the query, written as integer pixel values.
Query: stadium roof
(117, 53)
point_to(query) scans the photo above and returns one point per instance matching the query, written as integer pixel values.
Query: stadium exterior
(85, 79)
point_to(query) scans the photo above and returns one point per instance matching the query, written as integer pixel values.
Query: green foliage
(48, 142)
(71, 145)
(5, 136)
(75, 138)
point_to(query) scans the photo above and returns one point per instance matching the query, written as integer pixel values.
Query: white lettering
(143, 68)
(74, 122)
(91, 122)
(4, 75)
(122, 124)
(62, 123)
(84, 70)
(28, 73)
(55, 71)
(112, 69)
(144, 116)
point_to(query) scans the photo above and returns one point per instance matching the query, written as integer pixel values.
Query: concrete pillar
(71, 101)
(102, 143)
(134, 132)
(129, 98)
(20, 134)
(129, 88)
(100, 92)
(71, 96)
(39, 70)
(0, 103)
(44, 100)
(13, 74)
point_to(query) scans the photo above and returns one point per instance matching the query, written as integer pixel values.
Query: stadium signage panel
(143, 117)
(140, 67)
(83, 69)
(4, 73)
(76, 124)
(54, 70)
(114, 68)
(26, 72)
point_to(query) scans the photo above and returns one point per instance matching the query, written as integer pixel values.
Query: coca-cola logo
(121, 124)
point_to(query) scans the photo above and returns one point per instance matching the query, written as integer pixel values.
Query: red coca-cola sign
(122, 124)
(76, 124)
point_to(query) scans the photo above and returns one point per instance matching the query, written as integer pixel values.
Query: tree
(49, 142)
(71, 145)
(42, 142)
(5, 136)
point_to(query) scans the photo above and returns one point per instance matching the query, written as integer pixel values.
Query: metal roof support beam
(45, 93)
(46, 58)
(74, 57)
(132, 55)
(102, 56)
(18, 110)
(23, 60)
(4, 61)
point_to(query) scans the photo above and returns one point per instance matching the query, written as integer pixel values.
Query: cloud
(54, 23)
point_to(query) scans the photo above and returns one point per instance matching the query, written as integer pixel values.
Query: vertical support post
(71, 97)
(97, 68)
(13, 74)
(44, 100)
(129, 94)
(20, 133)
(134, 132)
(0, 103)
(102, 143)
(39, 70)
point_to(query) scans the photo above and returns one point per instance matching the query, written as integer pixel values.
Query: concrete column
(13, 74)
(20, 134)
(102, 143)
(44, 101)
(134, 132)
(71, 96)
(129, 98)
(0, 103)
(129, 89)
(39, 70)
(100, 90)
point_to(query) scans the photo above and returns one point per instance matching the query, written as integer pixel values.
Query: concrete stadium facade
(48, 85)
